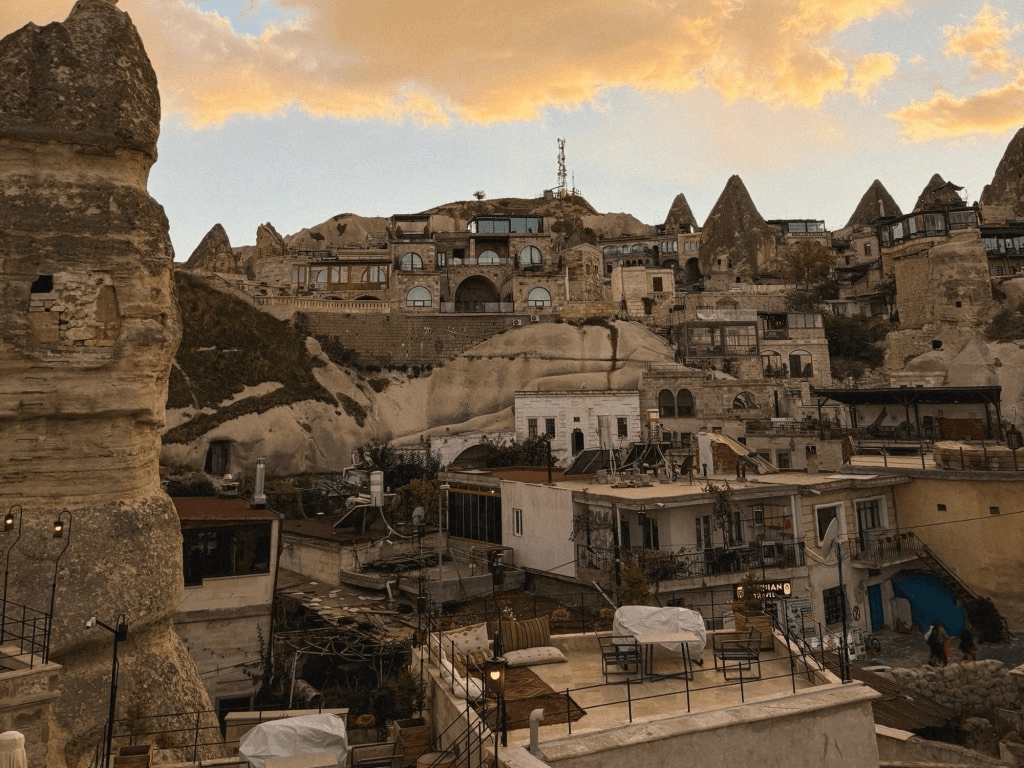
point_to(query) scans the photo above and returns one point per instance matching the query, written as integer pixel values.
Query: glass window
(549, 427)
(410, 261)
(825, 515)
(442, 258)
(833, 599)
(684, 402)
(418, 297)
(666, 404)
(517, 522)
(611, 250)
(530, 256)
(539, 297)
(318, 275)
(657, 284)
(623, 426)
(299, 274)
(488, 258)
(869, 514)
(740, 339)
(746, 400)
(782, 460)
(378, 274)
(236, 550)
(531, 427)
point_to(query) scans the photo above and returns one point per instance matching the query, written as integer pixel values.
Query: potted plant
(748, 609)
(407, 695)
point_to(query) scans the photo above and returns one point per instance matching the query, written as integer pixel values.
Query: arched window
(530, 256)
(410, 261)
(666, 404)
(539, 297)
(637, 248)
(611, 250)
(488, 258)
(800, 364)
(772, 366)
(684, 402)
(418, 297)
(746, 400)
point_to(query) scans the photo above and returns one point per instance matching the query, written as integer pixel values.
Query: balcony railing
(27, 629)
(884, 548)
(664, 566)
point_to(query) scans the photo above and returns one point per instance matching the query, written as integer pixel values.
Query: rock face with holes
(87, 334)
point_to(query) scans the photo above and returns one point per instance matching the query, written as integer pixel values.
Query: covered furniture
(620, 655)
(743, 648)
(645, 620)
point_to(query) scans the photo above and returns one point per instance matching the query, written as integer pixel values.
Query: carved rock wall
(87, 335)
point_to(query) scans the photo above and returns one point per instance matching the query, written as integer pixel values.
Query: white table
(647, 642)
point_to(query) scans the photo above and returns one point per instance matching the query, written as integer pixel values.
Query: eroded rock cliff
(86, 342)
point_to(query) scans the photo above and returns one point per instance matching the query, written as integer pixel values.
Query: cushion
(529, 657)
(467, 639)
(461, 687)
(507, 628)
(530, 633)
(470, 664)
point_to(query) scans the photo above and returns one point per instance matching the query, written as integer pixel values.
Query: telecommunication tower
(562, 188)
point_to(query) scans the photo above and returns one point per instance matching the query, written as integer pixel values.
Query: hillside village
(503, 482)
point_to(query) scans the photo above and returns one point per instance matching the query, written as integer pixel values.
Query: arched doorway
(477, 294)
(691, 270)
(577, 441)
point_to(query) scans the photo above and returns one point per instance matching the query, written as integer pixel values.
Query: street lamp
(442, 509)
(59, 526)
(8, 526)
(494, 682)
(642, 518)
(120, 633)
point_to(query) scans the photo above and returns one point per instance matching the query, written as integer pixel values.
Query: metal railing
(884, 548)
(477, 307)
(664, 566)
(27, 629)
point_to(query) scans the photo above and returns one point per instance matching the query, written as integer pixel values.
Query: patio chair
(744, 648)
(620, 655)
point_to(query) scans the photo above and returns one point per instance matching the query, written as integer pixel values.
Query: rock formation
(939, 193)
(680, 217)
(736, 232)
(214, 254)
(1007, 187)
(876, 203)
(86, 342)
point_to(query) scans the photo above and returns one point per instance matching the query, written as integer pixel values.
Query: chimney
(259, 499)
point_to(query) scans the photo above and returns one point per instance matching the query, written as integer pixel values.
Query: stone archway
(477, 294)
(691, 270)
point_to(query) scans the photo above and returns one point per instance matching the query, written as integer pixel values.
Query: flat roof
(219, 508)
(907, 395)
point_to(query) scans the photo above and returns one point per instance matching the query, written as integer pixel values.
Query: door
(577, 441)
(875, 606)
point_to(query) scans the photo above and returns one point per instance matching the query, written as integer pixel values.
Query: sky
(293, 111)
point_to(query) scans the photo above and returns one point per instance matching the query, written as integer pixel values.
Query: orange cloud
(946, 116)
(434, 61)
(871, 70)
(983, 41)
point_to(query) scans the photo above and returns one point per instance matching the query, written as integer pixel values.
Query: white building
(570, 419)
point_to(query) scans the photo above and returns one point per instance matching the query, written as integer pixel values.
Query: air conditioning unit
(517, 322)
(312, 286)
(534, 318)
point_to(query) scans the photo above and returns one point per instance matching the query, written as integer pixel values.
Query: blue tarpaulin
(930, 601)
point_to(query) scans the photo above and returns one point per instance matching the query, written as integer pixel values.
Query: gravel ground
(910, 650)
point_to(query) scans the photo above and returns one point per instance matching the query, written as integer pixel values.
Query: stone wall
(971, 687)
(396, 340)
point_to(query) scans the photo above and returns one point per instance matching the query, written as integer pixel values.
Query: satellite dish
(830, 535)
(418, 516)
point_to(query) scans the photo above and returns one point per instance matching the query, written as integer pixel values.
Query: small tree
(806, 263)
(635, 588)
(723, 512)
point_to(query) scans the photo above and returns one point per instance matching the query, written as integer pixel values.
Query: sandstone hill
(736, 232)
(245, 377)
(874, 204)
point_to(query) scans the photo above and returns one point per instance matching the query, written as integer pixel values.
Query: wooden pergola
(913, 397)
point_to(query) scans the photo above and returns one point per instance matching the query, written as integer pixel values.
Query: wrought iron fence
(27, 629)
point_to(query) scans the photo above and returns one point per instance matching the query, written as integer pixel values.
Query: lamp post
(58, 532)
(844, 648)
(642, 518)
(442, 509)
(120, 633)
(494, 682)
(8, 526)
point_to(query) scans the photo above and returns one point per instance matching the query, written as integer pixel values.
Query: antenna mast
(562, 190)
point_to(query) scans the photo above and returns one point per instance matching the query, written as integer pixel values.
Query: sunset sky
(292, 111)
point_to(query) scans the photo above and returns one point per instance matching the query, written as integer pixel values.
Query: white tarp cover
(295, 736)
(646, 619)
